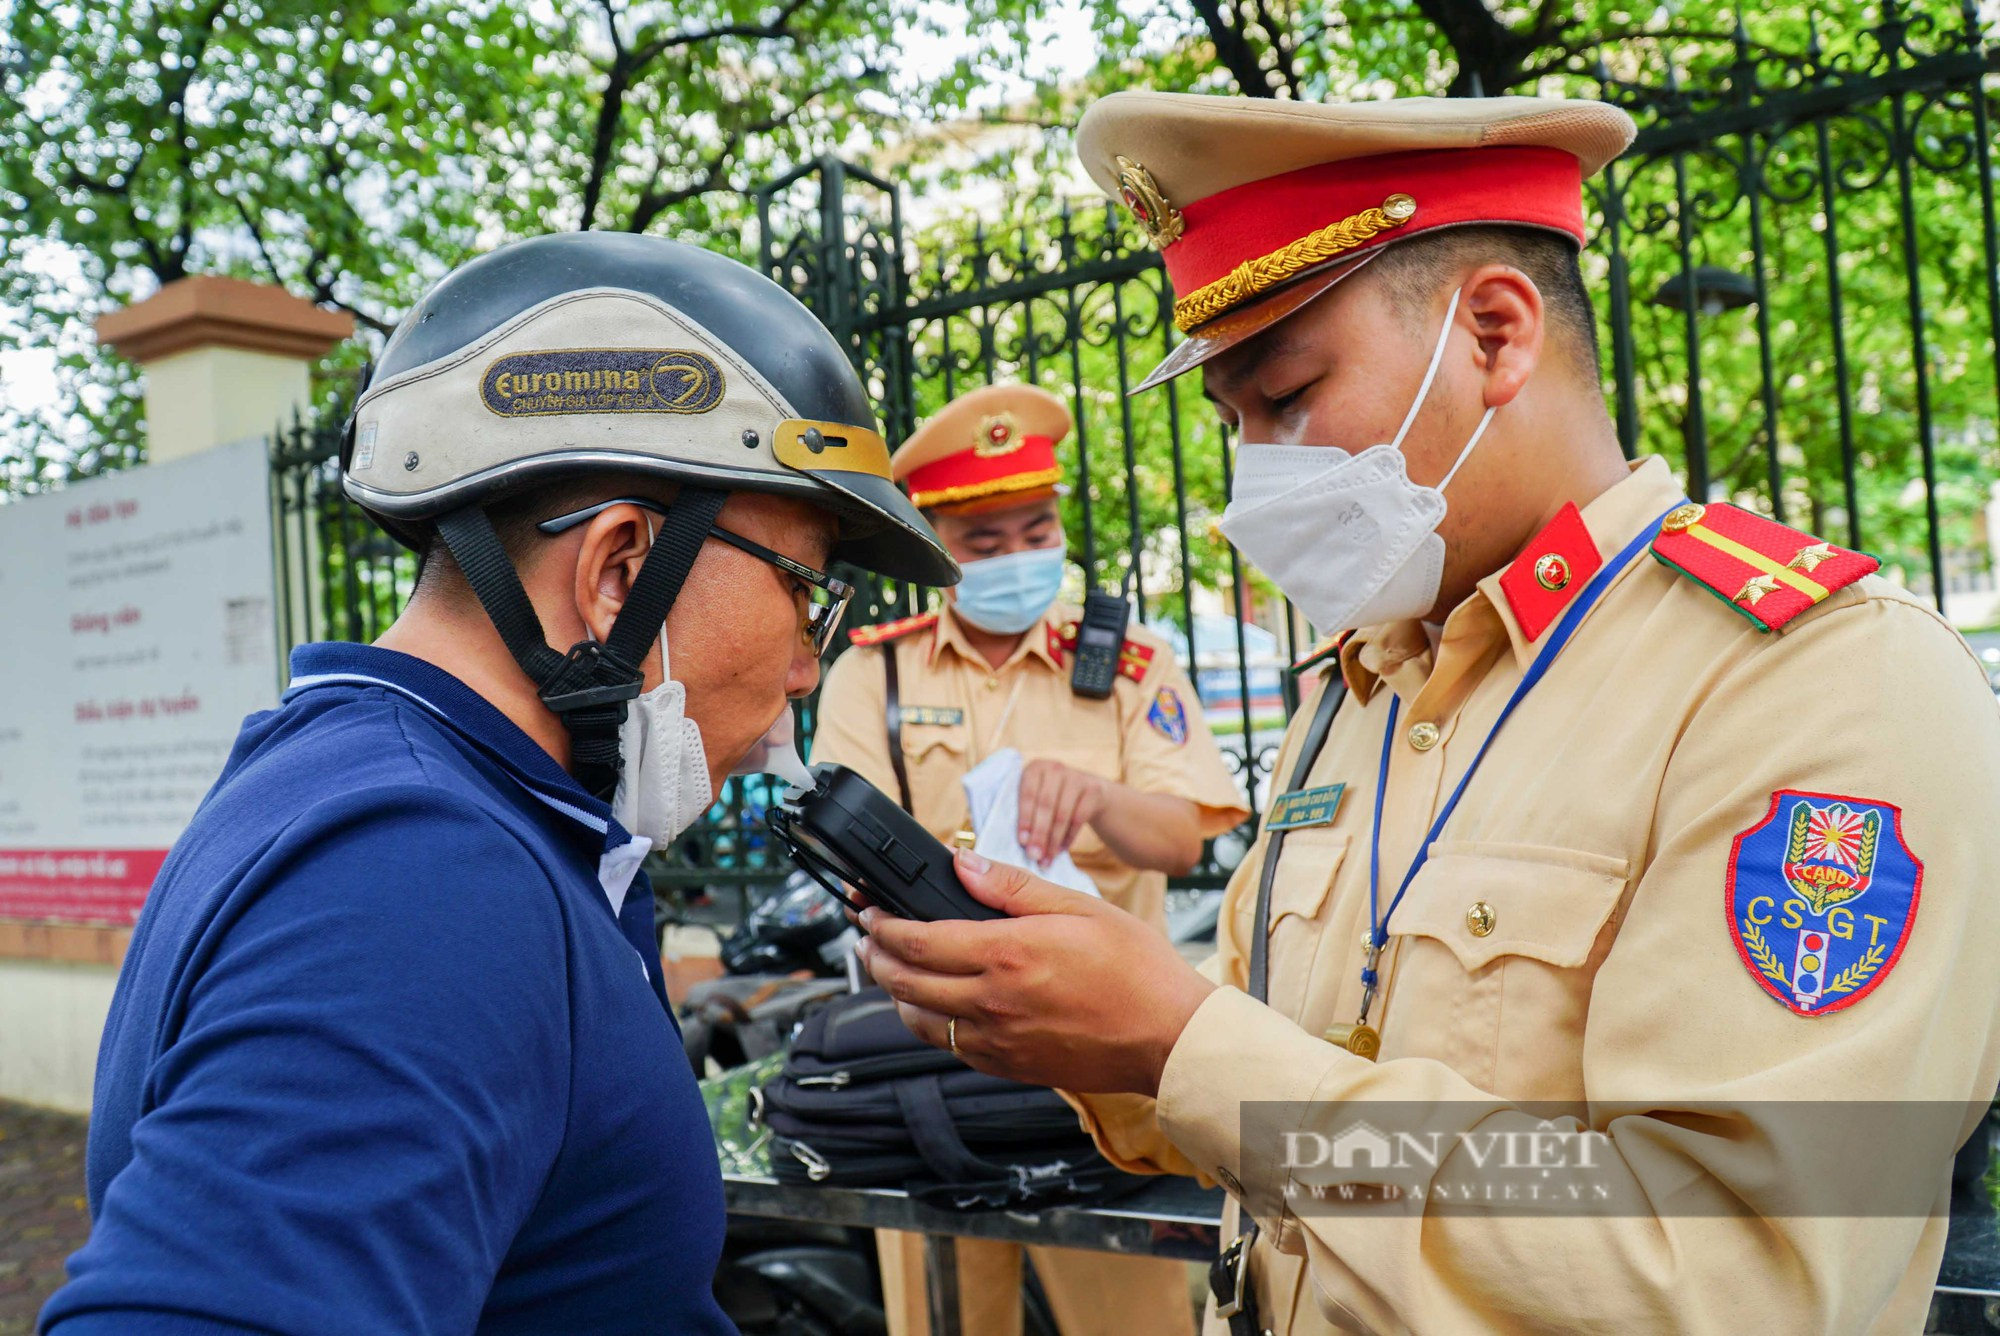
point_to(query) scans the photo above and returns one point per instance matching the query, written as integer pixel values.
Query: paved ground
(42, 1214)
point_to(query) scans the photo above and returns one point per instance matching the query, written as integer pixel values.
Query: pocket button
(1481, 918)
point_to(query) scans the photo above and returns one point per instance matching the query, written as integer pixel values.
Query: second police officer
(1127, 786)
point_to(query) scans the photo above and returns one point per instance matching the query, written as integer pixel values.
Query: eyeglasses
(826, 597)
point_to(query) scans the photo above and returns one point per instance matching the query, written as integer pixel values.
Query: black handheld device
(845, 830)
(1100, 639)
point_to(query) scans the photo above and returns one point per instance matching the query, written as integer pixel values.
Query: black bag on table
(863, 1102)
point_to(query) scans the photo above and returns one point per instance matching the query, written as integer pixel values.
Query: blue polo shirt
(390, 1050)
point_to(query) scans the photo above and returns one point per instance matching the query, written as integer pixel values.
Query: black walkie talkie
(1100, 640)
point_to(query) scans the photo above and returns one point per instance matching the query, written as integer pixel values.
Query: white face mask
(1348, 538)
(663, 785)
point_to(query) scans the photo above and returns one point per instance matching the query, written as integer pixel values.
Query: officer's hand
(1057, 801)
(1067, 991)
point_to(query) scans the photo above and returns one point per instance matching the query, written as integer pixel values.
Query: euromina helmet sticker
(601, 380)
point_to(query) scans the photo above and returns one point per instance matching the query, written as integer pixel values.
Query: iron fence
(1798, 267)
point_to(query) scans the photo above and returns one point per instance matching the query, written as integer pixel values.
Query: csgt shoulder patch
(1822, 894)
(1168, 716)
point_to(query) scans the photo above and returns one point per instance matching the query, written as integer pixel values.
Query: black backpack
(863, 1102)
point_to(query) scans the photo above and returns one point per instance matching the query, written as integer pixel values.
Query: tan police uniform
(1730, 852)
(956, 709)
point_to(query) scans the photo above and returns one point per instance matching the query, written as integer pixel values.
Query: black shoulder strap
(1330, 698)
(683, 529)
(483, 561)
(893, 716)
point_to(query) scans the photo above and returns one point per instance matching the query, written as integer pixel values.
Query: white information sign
(139, 632)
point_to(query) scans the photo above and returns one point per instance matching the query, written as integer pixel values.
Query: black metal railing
(1797, 262)
(1800, 256)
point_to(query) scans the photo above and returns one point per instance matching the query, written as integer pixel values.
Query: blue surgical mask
(1007, 595)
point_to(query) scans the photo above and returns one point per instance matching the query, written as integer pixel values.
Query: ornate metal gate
(1798, 262)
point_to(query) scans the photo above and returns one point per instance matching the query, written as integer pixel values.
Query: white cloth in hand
(993, 796)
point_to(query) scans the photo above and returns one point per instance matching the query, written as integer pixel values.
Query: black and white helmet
(609, 352)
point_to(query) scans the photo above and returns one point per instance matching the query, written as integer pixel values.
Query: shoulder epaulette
(1767, 571)
(1134, 658)
(1321, 652)
(883, 632)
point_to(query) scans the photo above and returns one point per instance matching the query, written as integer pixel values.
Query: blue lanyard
(1378, 923)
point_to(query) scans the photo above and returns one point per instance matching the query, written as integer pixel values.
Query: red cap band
(971, 476)
(1531, 186)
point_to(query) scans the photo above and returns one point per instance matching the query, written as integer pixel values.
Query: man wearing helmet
(390, 1050)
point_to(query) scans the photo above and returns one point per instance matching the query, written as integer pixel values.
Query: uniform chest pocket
(1308, 862)
(935, 757)
(924, 741)
(1499, 945)
(1307, 865)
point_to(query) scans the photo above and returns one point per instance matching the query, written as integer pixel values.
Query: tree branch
(190, 61)
(1050, 122)
(611, 25)
(610, 110)
(652, 203)
(627, 65)
(779, 25)
(1281, 53)
(1233, 50)
(257, 236)
(1562, 51)
(1487, 49)
(374, 322)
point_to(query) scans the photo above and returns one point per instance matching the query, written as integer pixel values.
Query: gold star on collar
(1755, 588)
(1808, 558)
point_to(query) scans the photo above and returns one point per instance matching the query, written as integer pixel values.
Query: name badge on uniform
(932, 714)
(1305, 807)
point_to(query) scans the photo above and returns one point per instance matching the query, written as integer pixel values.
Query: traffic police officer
(1128, 786)
(1617, 813)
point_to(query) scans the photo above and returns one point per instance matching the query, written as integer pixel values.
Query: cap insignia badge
(997, 436)
(1141, 193)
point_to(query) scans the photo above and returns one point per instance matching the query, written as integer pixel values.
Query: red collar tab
(1555, 565)
(1292, 223)
(883, 632)
(1134, 659)
(1320, 653)
(1766, 571)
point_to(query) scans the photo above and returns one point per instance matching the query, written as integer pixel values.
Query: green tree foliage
(1835, 327)
(353, 152)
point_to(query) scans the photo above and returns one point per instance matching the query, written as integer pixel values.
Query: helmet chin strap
(588, 687)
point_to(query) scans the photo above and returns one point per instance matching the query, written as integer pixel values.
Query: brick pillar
(224, 359)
